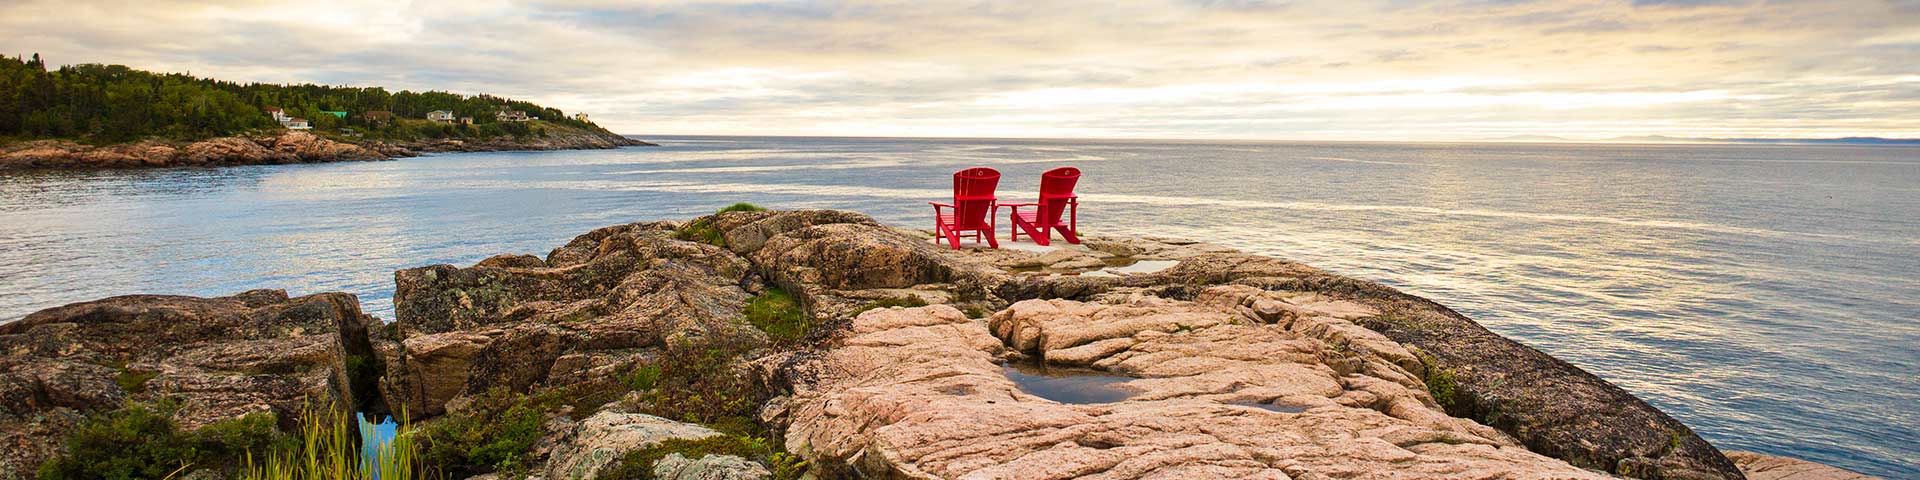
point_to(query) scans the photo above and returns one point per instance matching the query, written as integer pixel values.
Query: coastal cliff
(764, 344)
(283, 148)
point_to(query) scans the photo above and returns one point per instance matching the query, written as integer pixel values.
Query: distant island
(1667, 139)
(113, 116)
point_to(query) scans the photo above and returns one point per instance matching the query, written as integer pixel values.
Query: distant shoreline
(283, 147)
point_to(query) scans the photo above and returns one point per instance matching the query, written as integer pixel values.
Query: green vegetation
(699, 383)
(1440, 382)
(779, 314)
(639, 464)
(141, 441)
(494, 433)
(909, 302)
(329, 450)
(703, 231)
(113, 103)
(134, 381)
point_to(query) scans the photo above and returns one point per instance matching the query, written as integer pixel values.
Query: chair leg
(1039, 236)
(991, 242)
(1069, 235)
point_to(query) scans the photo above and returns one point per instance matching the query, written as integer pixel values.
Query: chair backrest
(1055, 187)
(973, 195)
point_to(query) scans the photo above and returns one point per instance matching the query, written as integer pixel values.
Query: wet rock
(1760, 466)
(918, 393)
(604, 437)
(220, 358)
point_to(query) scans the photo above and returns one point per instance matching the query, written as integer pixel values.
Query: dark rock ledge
(1241, 365)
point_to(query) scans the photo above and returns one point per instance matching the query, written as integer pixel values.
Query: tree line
(114, 103)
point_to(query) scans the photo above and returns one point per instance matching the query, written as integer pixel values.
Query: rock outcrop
(282, 148)
(920, 393)
(1548, 405)
(592, 308)
(1209, 362)
(219, 358)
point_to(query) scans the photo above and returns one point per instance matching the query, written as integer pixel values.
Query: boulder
(606, 436)
(220, 358)
(708, 467)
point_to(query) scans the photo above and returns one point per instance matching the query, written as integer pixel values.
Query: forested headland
(106, 104)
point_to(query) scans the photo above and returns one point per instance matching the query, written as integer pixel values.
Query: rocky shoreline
(762, 344)
(285, 147)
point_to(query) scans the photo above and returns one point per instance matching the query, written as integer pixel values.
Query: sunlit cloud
(1167, 69)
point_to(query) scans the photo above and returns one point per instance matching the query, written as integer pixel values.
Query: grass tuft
(779, 314)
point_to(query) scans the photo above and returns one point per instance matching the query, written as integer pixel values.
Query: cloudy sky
(1250, 69)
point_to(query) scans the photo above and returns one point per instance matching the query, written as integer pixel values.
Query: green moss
(134, 381)
(779, 314)
(977, 312)
(909, 302)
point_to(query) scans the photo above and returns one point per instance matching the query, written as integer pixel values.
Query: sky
(1218, 69)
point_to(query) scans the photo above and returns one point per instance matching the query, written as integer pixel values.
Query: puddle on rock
(1067, 384)
(1271, 407)
(1131, 267)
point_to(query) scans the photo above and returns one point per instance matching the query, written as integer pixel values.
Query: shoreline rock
(1232, 364)
(218, 358)
(281, 148)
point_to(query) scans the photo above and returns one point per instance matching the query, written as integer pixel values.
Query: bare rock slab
(920, 393)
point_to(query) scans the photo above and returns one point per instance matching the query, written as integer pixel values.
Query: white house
(440, 116)
(511, 116)
(296, 123)
(278, 114)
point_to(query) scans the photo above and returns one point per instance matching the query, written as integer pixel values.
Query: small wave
(1376, 162)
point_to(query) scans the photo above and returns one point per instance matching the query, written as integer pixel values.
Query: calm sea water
(1766, 295)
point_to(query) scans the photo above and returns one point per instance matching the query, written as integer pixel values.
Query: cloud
(1172, 68)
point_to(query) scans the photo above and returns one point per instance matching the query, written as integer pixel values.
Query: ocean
(1767, 295)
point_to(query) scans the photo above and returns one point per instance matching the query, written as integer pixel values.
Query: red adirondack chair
(972, 202)
(1056, 196)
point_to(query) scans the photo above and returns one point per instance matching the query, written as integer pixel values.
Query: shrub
(141, 441)
(741, 207)
(494, 433)
(779, 314)
(1440, 382)
(698, 383)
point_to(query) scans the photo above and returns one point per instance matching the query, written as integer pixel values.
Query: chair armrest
(1020, 204)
